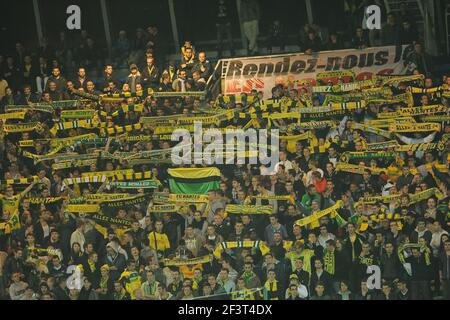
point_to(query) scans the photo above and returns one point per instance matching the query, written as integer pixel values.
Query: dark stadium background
(193, 18)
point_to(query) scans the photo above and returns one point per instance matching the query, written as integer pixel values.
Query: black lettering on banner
(250, 70)
(282, 67)
(366, 60)
(312, 65)
(381, 58)
(265, 69)
(333, 63)
(398, 53)
(298, 66)
(350, 62)
(234, 69)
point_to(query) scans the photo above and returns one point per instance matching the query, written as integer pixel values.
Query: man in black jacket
(81, 79)
(27, 96)
(402, 291)
(421, 231)
(320, 275)
(58, 79)
(203, 66)
(444, 270)
(302, 275)
(420, 275)
(312, 43)
(108, 76)
(150, 74)
(390, 263)
(60, 291)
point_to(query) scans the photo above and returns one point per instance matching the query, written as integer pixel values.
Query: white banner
(241, 75)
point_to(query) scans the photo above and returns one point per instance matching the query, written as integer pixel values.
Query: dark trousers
(273, 41)
(224, 30)
(446, 289)
(420, 290)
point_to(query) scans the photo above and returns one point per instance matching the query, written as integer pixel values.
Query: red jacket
(321, 185)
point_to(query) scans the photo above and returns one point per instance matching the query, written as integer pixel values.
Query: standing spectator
(58, 79)
(134, 78)
(421, 60)
(3, 85)
(223, 25)
(390, 33)
(420, 275)
(108, 76)
(275, 36)
(408, 33)
(150, 74)
(81, 79)
(28, 71)
(444, 270)
(89, 55)
(138, 46)
(313, 43)
(187, 57)
(250, 15)
(42, 74)
(360, 40)
(121, 48)
(203, 66)
(154, 44)
(11, 74)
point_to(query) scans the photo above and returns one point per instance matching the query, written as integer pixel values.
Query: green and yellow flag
(193, 180)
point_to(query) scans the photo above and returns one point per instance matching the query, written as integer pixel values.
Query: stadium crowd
(202, 250)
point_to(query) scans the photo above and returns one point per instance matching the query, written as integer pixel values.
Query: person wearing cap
(105, 286)
(115, 260)
(300, 292)
(134, 78)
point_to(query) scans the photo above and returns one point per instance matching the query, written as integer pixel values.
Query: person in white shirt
(284, 161)
(312, 165)
(302, 290)
(324, 236)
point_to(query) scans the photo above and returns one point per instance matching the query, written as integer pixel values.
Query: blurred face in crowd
(90, 86)
(424, 100)
(320, 290)
(202, 57)
(52, 86)
(117, 287)
(56, 72)
(318, 264)
(188, 53)
(82, 72)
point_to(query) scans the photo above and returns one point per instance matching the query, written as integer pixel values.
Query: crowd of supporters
(51, 253)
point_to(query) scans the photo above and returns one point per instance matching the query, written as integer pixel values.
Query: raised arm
(28, 189)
